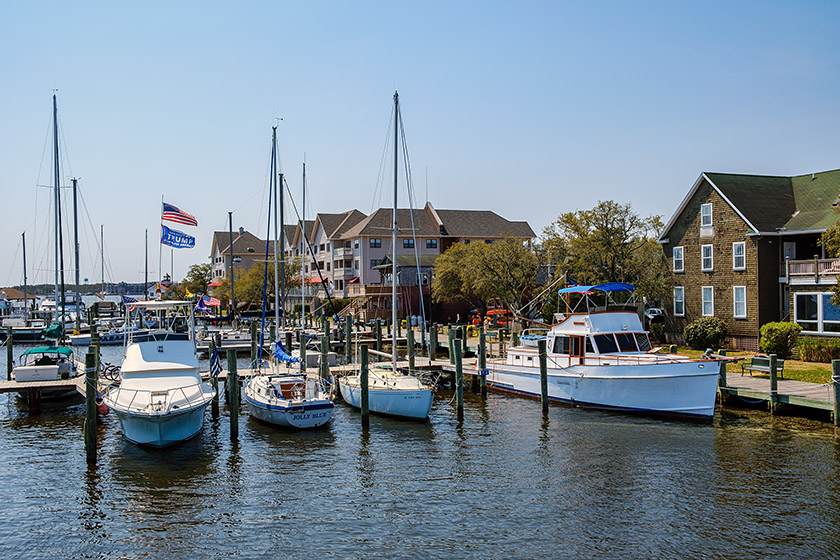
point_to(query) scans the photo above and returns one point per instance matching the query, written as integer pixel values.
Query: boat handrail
(169, 401)
(620, 359)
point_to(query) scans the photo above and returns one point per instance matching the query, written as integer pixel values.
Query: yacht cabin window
(606, 343)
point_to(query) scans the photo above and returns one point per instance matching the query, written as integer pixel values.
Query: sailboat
(51, 362)
(390, 391)
(285, 397)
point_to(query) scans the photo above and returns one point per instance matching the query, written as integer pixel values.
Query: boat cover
(49, 350)
(606, 287)
(281, 354)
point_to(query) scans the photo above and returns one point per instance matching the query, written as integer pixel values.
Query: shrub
(707, 332)
(657, 332)
(779, 338)
(819, 349)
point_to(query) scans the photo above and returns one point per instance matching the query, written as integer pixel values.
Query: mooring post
(482, 361)
(363, 382)
(722, 376)
(774, 386)
(325, 366)
(254, 343)
(10, 357)
(543, 375)
(90, 406)
(835, 380)
(214, 380)
(433, 342)
(409, 337)
(233, 394)
(378, 336)
(348, 347)
(95, 344)
(459, 383)
(288, 342)
(450, 330)
(273, 331)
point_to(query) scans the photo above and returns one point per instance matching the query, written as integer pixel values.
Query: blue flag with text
(175, 238)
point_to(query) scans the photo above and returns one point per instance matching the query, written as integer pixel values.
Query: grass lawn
(812, 372)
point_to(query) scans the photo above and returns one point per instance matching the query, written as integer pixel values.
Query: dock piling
(409, 337)
(459, 383)
(774, 386)
(233, 394)
(214, 381)
(835, 380)
(10, 357)
(325, 367)
(90, 406)
(433, 342)
(348, 347)
(543, 375)
(363, 382)
(482, 361)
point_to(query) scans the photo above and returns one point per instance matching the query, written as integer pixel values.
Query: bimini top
(606, 287)
(49, 350)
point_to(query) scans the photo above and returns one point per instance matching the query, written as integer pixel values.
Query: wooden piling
(233, 394)
(348, 346)
(254, 343)
(482, 361)
(450, 331)
(288, 342)
(409, 335)
(774, 386)
(543, 375)
(325, 366)
(214, 381)
(95, 345)
(10, 357)
(302, 350)
(363, 383)
(459, 383)
(433, 342)
(378, 327)
(835, 379)
(90, 407)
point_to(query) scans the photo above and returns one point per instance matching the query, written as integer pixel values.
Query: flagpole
(160, 246)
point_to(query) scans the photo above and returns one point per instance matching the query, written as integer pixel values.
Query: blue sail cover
(607, 287)
(281, 354)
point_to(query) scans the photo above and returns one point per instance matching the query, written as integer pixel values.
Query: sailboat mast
(76, 250)
(303, 266)
(394, 237)
(276, 283)
(56, 196)
(102, 254)
(281, 194)
(146, 268)
(25, 287)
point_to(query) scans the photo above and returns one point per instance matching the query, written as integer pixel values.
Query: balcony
(343, 253)
(359, 290)
(813, 272)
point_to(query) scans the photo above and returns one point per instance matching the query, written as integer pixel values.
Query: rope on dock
(752, 401)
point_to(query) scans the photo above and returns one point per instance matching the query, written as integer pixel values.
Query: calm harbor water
(506, 483)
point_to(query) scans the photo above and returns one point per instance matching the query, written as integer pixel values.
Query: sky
(530, 109)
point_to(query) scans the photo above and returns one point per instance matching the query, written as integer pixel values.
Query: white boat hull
(680, 388)
(161, 430)
(266, 402)
(401, 402)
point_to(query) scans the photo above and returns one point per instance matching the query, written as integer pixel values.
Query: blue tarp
(281, 354)
(607, 287)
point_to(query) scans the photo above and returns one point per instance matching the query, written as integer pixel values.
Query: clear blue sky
(529, 109)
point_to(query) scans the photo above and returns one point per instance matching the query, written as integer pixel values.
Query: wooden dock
(755, 390)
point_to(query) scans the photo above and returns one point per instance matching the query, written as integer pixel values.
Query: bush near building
(707, 332)
(779, 338)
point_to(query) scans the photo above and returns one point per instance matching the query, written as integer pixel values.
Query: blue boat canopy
(49, 350)
(606, 287)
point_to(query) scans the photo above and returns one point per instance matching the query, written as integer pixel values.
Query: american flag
(209, 300)
(215, 364)
(174, 214)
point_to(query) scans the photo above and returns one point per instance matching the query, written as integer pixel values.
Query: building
(247, 249)
(745, 248)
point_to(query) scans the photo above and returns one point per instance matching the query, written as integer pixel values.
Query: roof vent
(813, 176)
(241, 230)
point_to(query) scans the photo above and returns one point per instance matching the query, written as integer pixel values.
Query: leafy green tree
(197, 278)
(609, 243)
(248, 284)
(830, 240)
(481, 273)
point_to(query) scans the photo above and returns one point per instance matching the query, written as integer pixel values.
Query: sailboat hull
(400, 402)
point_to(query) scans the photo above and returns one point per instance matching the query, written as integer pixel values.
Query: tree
(480, 273)
(248, 284)
(197, 278)
(830, 240)
(609, 243)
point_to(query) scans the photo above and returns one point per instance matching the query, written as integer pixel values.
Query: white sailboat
(390, 391)
(278, 394)
(161, 399)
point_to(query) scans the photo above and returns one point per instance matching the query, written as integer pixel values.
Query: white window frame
(735, 301)
(681, 299)
(704, 301)
(711, 266)
(681, 259)
(743, 256)
(704, 222)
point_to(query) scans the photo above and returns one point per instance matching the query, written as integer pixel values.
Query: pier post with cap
(90, 407)
(363, 386)
(482, 361)
(543, 375)
(233, 394)
(459, 383)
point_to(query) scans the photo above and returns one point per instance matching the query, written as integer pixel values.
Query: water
(506, 483)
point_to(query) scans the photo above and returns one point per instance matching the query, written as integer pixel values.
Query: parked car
(654, 315)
